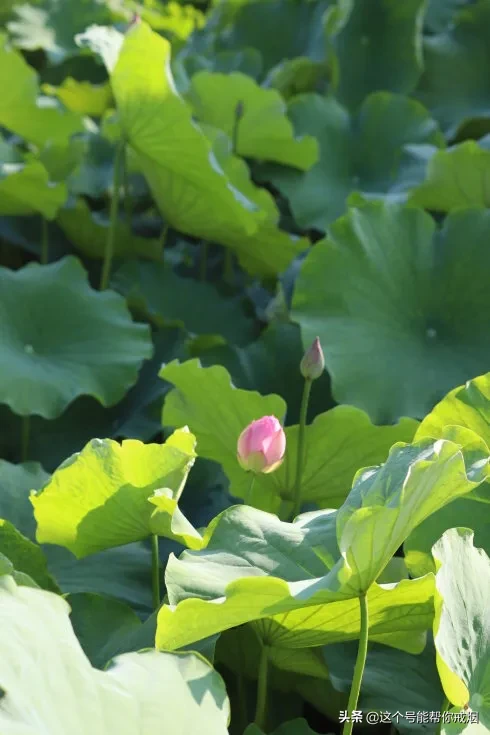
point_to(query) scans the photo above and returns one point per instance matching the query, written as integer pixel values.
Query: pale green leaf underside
(462, 624)
(50, 686)
(26, 189)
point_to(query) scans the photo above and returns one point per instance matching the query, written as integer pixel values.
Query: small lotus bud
(239, 110)
(313, 363)
(261, 445)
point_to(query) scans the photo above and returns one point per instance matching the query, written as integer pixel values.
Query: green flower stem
(360, 663)
(261, 707)
(162, 240)
(155, 563)
(204, 261)
(128, 202)
(44, 241)
(111, 235)
(301, 448)
(26, 431)
(249, 493)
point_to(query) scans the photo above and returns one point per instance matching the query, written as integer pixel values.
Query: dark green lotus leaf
(393, 681)
(300, 32)
(21, 110)
(16, 483)
(360, 153)
(379, 48)
(263, 130)
(454, 85)
(123, 573)
(137, 416)
(270, 365)
(26, 556)
(299, 76)
(25, 188)
(168, 299)
(457, 177)
(87, 231)
(107, 627)
(62, 340)
(401, 312)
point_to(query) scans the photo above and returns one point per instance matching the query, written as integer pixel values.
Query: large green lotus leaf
(386, 284)
(270, 364)
(256, 567)
(300, 31)
(169, 299)
(106, 627)
(457, 177)
(339, 441)
(20, 110)
(454, 85)
(462, 623)
(388, 502)
(299, 76)
(49, 684)
(99, 497)
(25, 555)
(393, 681)
(16, 482)
(263, 131)
(87, 231)
(374, 32)
(357, 153)
(25, 188)
(190, 187)
(61, 339)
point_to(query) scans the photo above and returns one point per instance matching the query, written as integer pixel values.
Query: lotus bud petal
(313, 363)
(261, 445)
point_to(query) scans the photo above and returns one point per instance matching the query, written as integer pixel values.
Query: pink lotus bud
(261, 445)
(313, 363)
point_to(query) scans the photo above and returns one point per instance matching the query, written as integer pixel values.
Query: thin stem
(301, 447)
(155, 564)
(249, 493)
(162, 240)
(261, 706)
(44, 241)
(26, 432)
(114, 210)
(204, 261)
(360, 663)
(128, 202)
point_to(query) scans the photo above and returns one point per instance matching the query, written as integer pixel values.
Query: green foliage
(191, 154)
(385, 283)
